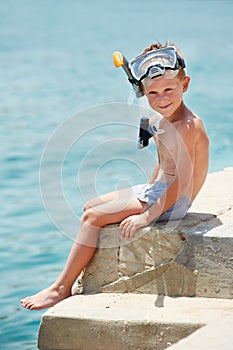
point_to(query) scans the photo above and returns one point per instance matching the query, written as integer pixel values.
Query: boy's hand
(130, 225)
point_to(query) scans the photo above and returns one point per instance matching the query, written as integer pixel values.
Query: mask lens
(145, 64)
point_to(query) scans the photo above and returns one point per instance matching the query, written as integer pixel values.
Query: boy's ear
(186, 83)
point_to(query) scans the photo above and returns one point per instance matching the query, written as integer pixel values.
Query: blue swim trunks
(150, 193)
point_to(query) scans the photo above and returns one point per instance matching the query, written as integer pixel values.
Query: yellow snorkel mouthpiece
(117, 59)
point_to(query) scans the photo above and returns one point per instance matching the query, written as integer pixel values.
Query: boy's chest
(167, 144)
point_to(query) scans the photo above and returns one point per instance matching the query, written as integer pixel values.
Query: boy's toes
(26, 302)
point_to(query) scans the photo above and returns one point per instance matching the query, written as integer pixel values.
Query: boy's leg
(109, 197)
(83, 249)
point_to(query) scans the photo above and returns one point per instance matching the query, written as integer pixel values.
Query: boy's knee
(89, 216)
(86, 206)
(86, 215)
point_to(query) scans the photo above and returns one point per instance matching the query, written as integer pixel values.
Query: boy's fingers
(125, 230)
(128, 231)
(122, 224)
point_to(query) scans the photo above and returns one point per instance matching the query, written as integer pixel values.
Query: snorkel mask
(152, 64)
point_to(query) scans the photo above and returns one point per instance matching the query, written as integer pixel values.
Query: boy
(175, 182)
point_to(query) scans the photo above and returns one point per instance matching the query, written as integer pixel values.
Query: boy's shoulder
(191, 122)
(192, 127)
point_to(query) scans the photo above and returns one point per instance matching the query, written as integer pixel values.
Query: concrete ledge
(179, 263)
(126, 321)
(192, 258)
(217, 335)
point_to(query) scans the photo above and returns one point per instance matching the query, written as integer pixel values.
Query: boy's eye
(168, 89)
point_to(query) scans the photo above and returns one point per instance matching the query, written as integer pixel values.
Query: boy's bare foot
(45, 298)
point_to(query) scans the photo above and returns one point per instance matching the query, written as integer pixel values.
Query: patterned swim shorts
(150, 193)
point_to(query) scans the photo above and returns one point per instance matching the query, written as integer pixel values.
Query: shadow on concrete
(192, 272)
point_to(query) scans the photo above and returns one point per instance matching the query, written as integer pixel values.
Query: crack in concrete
(127, 284)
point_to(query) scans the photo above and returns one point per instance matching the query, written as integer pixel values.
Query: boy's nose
(160, 97)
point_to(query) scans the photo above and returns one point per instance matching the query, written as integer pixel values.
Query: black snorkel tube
(120, 61)
(146, 131)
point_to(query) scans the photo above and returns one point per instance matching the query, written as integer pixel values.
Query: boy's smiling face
(166, 95)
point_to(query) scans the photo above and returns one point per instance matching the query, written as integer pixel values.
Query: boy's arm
(154, 174)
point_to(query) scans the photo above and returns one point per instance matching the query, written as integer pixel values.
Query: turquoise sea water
(56, 67)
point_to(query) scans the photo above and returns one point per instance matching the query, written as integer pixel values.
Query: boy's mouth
(165, 106)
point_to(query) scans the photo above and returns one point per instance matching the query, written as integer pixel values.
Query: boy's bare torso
(184, 141)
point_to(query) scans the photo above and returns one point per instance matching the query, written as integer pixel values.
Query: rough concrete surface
(217, 335)
(126, 321)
